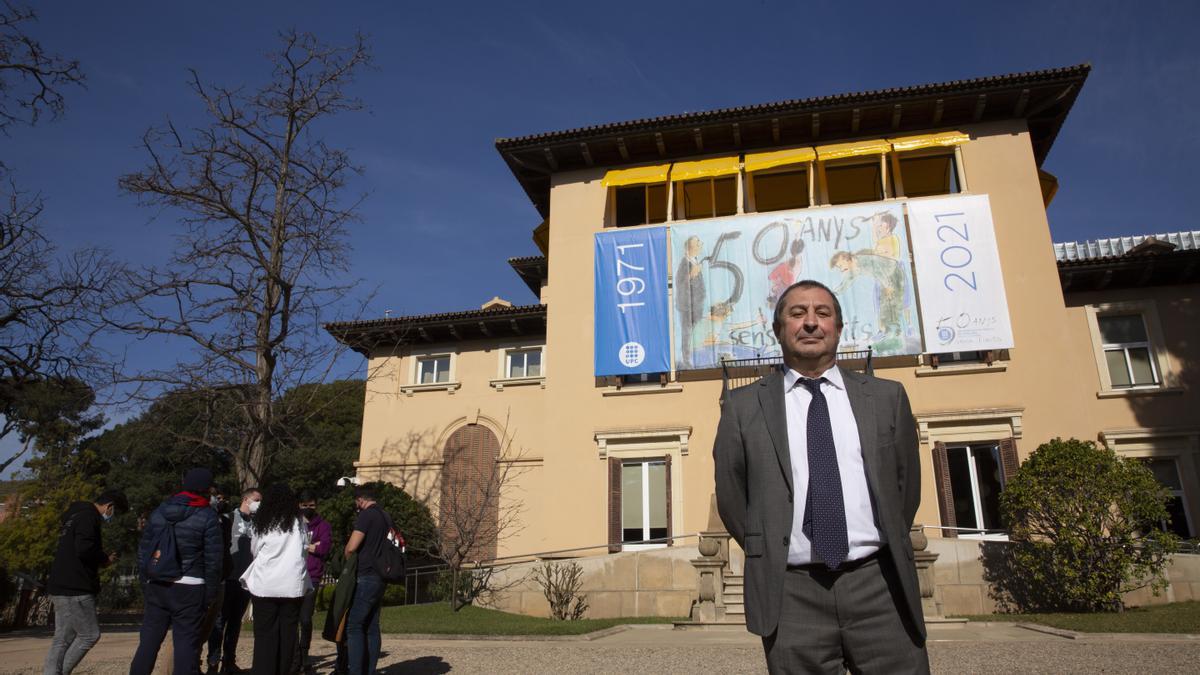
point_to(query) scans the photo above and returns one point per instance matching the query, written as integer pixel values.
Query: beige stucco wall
(1047, 386)
(404, 434)
(658, 582)
(961, 589)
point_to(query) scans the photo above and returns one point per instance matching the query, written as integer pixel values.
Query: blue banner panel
(633, 333)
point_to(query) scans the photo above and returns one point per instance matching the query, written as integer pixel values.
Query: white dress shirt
(861, 527)
(278, 569)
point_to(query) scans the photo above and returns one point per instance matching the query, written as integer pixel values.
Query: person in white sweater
(277, 579)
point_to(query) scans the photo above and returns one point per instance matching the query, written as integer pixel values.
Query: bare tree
(263, 251)
(46, 304)
(31, 79)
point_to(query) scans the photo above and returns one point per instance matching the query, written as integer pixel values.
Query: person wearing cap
(179, 605)
(75, 580)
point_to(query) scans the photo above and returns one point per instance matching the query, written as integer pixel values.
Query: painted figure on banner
(689, 294)
(748, 260)
(890, 283)
(788, 272)
(887, 244)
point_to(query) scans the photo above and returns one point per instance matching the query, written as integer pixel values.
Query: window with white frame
(976, 478)
(433, 369)
(520, 363)
(644, 509)
(1166, 470)
(1127, 350)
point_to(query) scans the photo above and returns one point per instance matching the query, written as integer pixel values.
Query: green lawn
(437, 618)
(1178, 617)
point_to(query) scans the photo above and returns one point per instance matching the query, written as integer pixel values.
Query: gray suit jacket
(754, 483)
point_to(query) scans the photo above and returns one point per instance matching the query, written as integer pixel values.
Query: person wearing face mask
(75, 580)
(320, 544)
(223, 639)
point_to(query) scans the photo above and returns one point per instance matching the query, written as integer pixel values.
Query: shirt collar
(833, 376)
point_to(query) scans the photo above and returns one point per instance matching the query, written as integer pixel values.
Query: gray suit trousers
(831, 622)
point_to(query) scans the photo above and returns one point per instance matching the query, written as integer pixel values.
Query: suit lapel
(863, 406)
(770, 397)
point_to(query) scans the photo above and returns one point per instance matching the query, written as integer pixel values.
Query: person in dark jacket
(222, 644)
(75, 580)
(179, 605)
(320, 545)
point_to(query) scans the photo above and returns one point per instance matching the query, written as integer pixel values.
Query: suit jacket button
(785, 541)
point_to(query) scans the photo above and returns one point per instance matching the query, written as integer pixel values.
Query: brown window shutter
(1009, 461)
(941, 470)
(670, 532)
(614, 505)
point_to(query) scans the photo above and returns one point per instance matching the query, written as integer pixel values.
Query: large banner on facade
(632, 333)
(963, 306)
(728, 273)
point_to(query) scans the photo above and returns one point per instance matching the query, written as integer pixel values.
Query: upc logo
(631, 354)
(945, 335)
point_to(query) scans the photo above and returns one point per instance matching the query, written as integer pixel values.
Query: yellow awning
(944, 139)
(769, 160)
(877, 146)
(705, 168)
(638, 175)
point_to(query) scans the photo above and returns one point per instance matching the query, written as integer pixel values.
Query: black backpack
(390, 560)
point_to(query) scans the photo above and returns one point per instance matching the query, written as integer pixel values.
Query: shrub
(560, 584)
(1086, 527)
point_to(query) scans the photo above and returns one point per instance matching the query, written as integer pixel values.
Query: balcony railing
(740, 372)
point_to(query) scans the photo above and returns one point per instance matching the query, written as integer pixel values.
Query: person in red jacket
(75, 580)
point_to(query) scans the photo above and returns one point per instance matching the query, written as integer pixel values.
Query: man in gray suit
(818, 480)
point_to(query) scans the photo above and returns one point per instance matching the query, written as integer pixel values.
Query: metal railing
(740, 372)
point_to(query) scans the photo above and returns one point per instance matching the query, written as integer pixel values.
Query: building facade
(1103, 334)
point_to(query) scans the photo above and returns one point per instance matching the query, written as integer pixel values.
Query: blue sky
(443, 213)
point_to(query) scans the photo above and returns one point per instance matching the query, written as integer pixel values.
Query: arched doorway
(469, 505)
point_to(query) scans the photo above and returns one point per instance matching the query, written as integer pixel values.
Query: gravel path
(666, 651)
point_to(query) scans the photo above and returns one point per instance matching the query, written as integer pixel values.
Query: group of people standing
(200, 568)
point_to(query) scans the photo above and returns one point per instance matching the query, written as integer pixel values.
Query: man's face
(809, 330)
(310, 504)
(249, 499)
(694, 246)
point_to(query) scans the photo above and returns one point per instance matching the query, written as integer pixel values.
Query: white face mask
(254, 507)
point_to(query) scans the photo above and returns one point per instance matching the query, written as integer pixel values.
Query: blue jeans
(362, 626)
(75, 632)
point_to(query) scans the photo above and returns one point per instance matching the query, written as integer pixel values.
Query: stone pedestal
(924, 560)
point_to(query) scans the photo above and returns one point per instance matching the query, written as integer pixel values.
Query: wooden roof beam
(698, 136)
(980, 105)
(516, 328)
(816, 124)
(424, 335)
(775, 129)
(897, 111)
(1067, 279)
(855, 120)
(737, 135)
(622, 149)
(551, 160)
(939, 106)
(587, 154)
(454, 332)
(1022, 102)
(484, 329)
(662, 147)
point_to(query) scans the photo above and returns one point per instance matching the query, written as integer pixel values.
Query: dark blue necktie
(824, 510)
